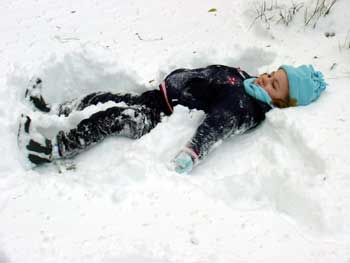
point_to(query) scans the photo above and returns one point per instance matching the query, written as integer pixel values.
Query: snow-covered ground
(280, 193)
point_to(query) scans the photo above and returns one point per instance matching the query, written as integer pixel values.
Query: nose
(266, 79)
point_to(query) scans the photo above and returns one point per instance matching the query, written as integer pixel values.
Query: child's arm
(225, 118)
(216, 126)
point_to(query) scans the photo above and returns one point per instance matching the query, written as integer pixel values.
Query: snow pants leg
(141, 115)
(149, 98)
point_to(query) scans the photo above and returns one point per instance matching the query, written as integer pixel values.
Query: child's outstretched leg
(151, 99)
(33, 94)
(132, 122)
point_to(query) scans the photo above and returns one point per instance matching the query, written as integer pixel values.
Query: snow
(280, 193)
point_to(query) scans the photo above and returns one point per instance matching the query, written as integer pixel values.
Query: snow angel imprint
(232, 100)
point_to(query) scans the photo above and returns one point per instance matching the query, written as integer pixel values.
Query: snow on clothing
(141, 114)
(217, 90)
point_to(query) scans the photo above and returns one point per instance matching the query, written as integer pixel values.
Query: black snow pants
(136, 117)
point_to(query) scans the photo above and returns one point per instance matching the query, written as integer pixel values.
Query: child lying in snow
(233, 101)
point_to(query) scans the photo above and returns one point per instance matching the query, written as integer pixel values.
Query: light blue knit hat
(305, 84)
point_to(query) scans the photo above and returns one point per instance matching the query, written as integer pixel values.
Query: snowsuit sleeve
(225, 117)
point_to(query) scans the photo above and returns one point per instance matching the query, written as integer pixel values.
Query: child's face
(275, 84)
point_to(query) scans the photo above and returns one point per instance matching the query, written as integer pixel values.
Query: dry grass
(322, 8)
(269, 12)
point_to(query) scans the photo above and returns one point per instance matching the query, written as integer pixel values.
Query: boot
(33, 94)
(39, 149)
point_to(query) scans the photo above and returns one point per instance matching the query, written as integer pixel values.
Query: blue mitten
(183, 163)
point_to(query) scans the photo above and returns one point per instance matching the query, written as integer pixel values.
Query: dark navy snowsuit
(217, 90)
